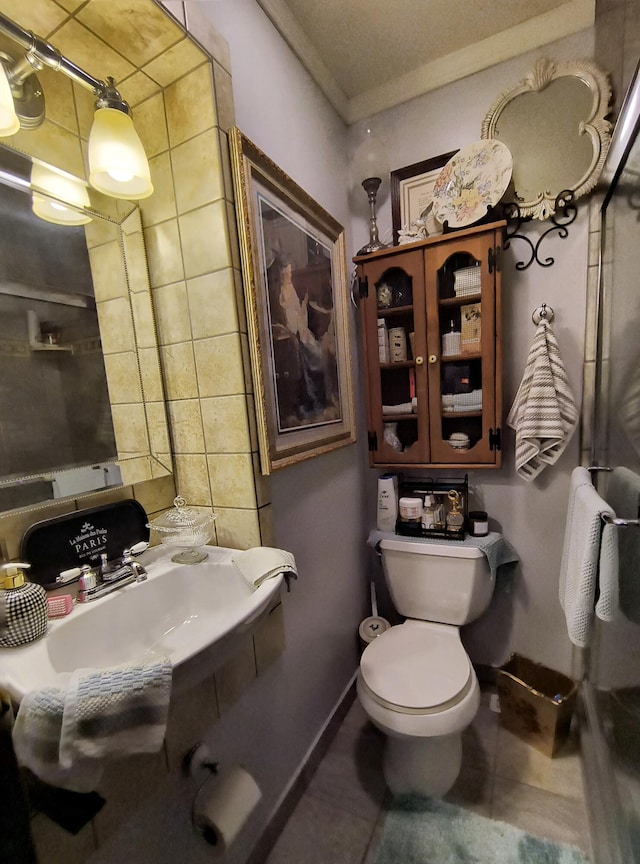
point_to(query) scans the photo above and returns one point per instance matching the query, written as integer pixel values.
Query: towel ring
(541, 312)
(619, 523)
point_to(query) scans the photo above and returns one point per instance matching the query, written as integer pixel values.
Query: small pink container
(58, 607)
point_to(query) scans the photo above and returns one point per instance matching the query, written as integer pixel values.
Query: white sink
(178, 612)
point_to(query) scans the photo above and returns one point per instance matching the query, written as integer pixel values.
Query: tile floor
(339, 818)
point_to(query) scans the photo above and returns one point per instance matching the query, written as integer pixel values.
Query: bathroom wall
(526, 614)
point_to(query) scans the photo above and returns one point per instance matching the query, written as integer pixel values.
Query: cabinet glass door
(462, 338)
(395, 346)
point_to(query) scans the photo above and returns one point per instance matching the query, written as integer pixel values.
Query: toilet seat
(417, 668)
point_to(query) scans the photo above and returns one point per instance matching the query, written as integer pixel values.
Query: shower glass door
(612, 689)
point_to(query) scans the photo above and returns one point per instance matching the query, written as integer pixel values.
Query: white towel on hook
(589, 568)
(543, 413)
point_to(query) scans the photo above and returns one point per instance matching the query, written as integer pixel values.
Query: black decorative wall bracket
(565, 213)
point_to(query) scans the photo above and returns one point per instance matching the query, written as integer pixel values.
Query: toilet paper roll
(223, 805)
(372, 627)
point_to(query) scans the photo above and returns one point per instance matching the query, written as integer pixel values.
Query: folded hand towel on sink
(262, 562)
(63, 734)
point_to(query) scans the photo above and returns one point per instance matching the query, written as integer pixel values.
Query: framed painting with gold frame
(297, 302)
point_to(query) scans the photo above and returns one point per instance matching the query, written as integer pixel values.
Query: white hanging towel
(589, 568)
(544, 413)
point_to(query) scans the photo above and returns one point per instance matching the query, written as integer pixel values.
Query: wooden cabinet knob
(433, 358)
(419, 361)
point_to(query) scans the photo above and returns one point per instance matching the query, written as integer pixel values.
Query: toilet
(416, 681)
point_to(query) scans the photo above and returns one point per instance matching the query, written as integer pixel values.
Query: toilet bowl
(416, 681)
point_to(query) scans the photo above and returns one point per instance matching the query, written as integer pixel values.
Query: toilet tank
(443, 582)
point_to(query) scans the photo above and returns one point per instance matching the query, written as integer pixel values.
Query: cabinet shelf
(398, 364)
(456, 358)
(461, 301)
(457, 415)
(394, 310)
(396, 418)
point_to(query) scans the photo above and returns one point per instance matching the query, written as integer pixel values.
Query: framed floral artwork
(412, 191)
(297, 302)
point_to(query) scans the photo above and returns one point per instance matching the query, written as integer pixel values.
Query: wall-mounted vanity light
(64, 188)
(118, 165)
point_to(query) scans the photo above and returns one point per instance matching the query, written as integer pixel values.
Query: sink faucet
(108, 576)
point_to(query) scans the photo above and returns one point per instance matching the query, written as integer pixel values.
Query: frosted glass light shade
(63, 187)
(118, 165)
(9, 123)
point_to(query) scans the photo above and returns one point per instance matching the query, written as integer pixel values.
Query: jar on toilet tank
(410, 509)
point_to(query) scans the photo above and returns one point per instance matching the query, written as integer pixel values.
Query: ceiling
(369, 55)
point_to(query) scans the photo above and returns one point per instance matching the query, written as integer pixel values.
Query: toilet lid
(416, 669)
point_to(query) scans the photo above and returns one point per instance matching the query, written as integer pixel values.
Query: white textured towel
(543, 413)
(589, 568)
(64, 733)
(262, 562)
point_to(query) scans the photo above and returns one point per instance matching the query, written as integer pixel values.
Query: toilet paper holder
(198, 759)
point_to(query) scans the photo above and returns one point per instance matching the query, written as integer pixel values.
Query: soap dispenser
(23, 607)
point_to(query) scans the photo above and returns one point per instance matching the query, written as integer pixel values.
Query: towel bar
(620, 523)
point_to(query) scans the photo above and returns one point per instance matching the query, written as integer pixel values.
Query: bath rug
(430, 831)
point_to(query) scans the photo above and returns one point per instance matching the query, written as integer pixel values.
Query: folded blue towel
(64, 733)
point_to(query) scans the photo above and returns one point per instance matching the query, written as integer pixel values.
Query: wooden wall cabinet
(441, 407)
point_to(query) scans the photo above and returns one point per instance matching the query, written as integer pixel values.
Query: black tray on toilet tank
(81, 538)
(415, 487)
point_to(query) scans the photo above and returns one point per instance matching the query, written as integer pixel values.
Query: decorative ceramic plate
(472, 182)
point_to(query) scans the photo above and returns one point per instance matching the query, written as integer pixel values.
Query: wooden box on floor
(536, 703)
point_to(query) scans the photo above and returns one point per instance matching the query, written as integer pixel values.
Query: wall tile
(136, 88)
(197, 171)
(179, 371)
(219, 365)
(130, 427)
(38, 15)
(107, 270)
(224, 97)
(231, 476)
(52, 144)
(148, 31)
(136, 262)
(144, 322)
(237, 529)
(186, 423)
(161, 205)
(190, 106)
(151, 125)
(225, 158)
(192, 479)
(60, 102)
(164, 253)
(172, 313)
(235, 675)
(116, 327)
(155, 495)
(88, 51)
(180, 58)
(240, 301)
(214, 253)
(226, 425)
(123, 378)
(100, 231)
(261, 482)
(212, 304)
(151, 374)
(157, 424)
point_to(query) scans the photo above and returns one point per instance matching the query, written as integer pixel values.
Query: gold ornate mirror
(553, 122)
